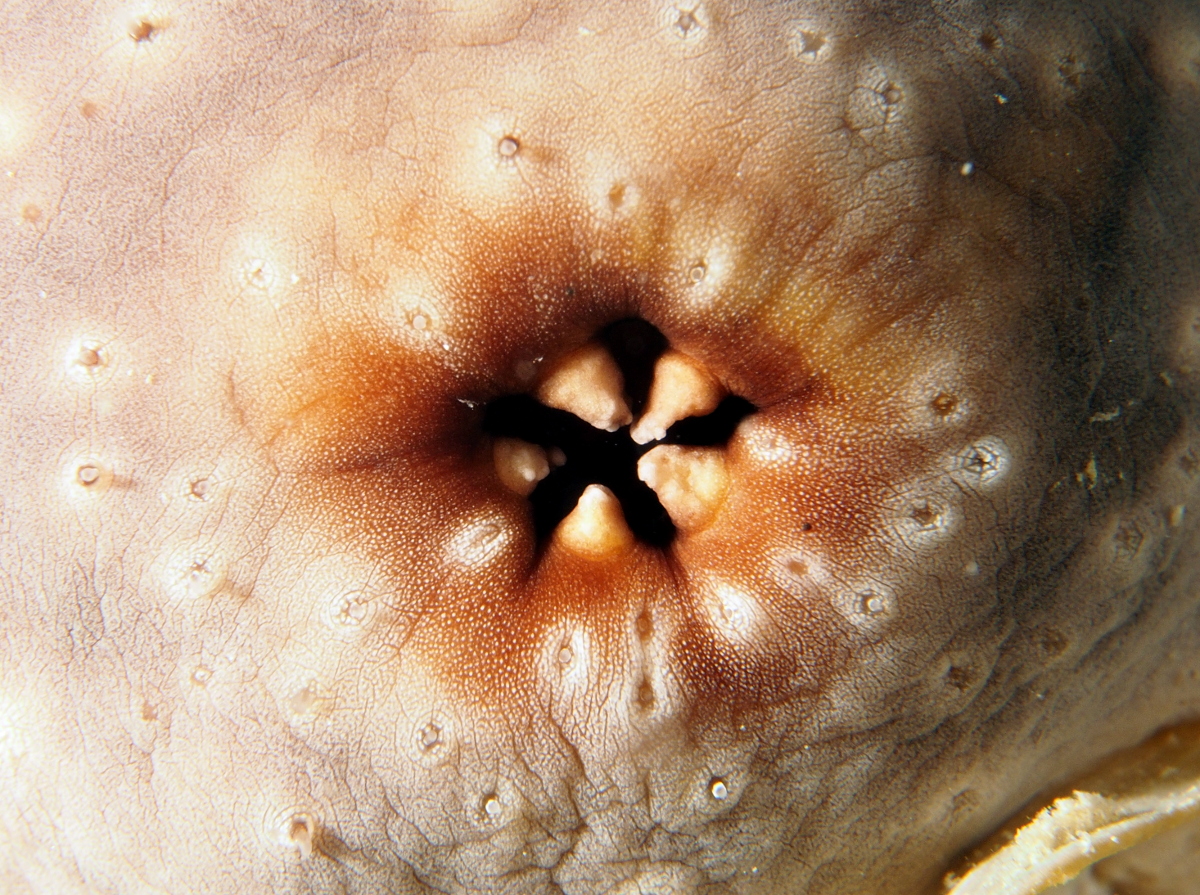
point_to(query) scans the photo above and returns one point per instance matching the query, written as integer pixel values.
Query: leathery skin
(588, 448)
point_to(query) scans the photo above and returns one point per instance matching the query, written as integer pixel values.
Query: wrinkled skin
(271, 623)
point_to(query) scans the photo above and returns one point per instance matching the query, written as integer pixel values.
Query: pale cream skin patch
(598, 447)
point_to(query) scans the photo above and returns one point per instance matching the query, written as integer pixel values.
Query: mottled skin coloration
(272, 620)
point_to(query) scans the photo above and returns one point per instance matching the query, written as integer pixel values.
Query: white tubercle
(596, 528)
(733, 612)
(690, 482)
(681, 388)
(519, 464)
(478, 540)
(298, 830)
(588, 383)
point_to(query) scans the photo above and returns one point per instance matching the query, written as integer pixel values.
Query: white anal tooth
(690, 482)
(681, 388)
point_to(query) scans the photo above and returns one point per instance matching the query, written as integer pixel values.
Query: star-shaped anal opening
(623, 423)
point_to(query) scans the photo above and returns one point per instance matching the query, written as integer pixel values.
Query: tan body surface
(278, 614)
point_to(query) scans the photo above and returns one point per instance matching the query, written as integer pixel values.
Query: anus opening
(560, 453)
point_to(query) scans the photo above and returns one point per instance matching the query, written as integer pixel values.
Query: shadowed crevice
(594, 456)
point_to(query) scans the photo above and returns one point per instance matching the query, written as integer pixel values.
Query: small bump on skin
(508, 147)
(301, 834)
(797, 567)
(1071, 71)
(652, 693)
(955, 677)
(430, 737)
(617, 196)
(867, 114)
(572, 656)
(609, 191)
(567, 666)
(685, 24)
(142, 30)
(982, 464)
(922, 519)
(88, 361)
(809, 44)
(139, 41)
(766, 445)
(478, 542)
(260, 268)
(945, 405)
(1177, 58)
(939, 394)
(644, 626)
(201, 675)
(990, 42)
(872, 603)
(294, 829)
(690, 482)
(143, 40)
(801, 571)
(519, 464)
(308, 701)
(415, 310)
(588, 383)
(331, 605)
(644, 697)
(88, 477)
(1128, 546)
(430, 743)
(1127, 539)
(193, 573)
(348, 613)
(492, 807)
(681, 388)
(927, 516)
(1088, 475)
(484, 177)
(734, 614)
(259, 274)
(88, 357)
(718, 789)
(709, 264)
(869, 606)
(596, 528)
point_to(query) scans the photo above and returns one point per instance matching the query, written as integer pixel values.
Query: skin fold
(276, 617)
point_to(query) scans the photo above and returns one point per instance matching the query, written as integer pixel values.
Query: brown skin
(273, 624)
